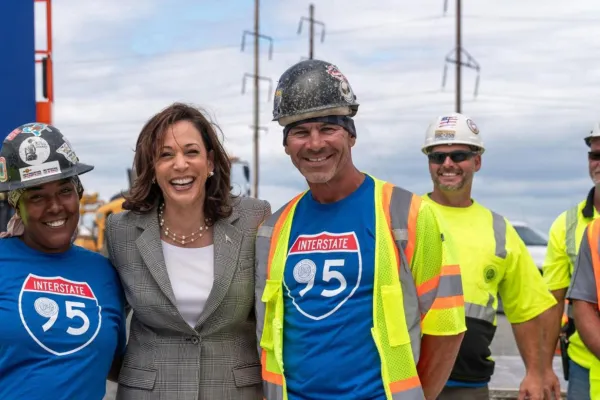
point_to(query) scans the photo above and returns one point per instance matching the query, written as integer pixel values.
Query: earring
(210, 174)
(153, 180)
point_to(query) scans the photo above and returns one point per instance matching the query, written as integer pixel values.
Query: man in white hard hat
(494, 261)
(566, 234)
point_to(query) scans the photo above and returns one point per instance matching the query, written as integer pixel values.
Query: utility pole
(458, 53)
(458, 63)
(311, 28)
(257, 79)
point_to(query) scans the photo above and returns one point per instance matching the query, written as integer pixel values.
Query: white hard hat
(452, 129)
(594, 133)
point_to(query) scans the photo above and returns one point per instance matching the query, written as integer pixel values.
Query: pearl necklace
(183, 239)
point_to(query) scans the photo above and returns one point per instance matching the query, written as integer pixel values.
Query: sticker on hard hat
(13, 134)
(3, 173)
(35, 128)
(447, 122)
(39, 171)
(277, 99)
(472, 126)
(444, 134)
(68, 152)
(34, 151)
(346, 91)
(335, 73)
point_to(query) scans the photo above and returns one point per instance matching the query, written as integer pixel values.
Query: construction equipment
(92, 238)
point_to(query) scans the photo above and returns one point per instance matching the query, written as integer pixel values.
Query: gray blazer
(166, 359)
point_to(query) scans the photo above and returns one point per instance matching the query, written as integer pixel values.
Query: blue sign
(17, 64)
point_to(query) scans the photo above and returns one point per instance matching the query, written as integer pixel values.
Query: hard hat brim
(78, 169)
(426, 149)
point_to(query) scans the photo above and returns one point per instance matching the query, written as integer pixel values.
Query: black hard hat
(34, 154)
(312, 88)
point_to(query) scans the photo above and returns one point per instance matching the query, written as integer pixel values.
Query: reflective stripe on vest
(397, 328)
(570, 234)
(488, 313)
(594, 241)
(571, 222)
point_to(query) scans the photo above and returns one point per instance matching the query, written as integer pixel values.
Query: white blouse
(191, 272)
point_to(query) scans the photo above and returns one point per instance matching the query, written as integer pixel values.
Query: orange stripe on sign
(277, 232)
(413, 213)
(405, 384)
(442, 303)
(267, 375)
(433, 283)
(593, 237)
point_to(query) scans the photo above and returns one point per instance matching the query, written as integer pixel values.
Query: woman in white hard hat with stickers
(61, 306)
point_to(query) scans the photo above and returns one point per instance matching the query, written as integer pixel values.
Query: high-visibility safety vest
(565, 237)
(397, 346)
(594, 241)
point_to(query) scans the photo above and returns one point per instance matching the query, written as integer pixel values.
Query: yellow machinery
(92, 238)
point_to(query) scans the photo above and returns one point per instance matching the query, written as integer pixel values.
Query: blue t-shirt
(328, 350)
(62, 321)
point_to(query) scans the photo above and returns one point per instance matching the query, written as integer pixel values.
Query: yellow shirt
(485, 275)
(566, 233)
(494, 261)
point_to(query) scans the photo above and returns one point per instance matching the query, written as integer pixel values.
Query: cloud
(116, 64)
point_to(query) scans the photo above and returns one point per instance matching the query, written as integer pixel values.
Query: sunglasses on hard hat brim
(457, 156)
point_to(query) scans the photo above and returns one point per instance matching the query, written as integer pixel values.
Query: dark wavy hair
(144, 195)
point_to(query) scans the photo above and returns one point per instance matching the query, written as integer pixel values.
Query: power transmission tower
(257, 78)
(311, 35)
(458, 52)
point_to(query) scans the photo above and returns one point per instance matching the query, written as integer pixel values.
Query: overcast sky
(118, 62)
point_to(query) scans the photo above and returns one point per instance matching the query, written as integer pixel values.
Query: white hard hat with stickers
(452, 129)
(594, 133)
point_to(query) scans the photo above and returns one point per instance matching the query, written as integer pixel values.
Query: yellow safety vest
(594, 241)
(390, 332)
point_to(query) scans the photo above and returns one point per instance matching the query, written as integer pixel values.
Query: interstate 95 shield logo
(326, 270)
(61, 315)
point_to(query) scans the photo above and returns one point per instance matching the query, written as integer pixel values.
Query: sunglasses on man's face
(594, 155)
(456, 156)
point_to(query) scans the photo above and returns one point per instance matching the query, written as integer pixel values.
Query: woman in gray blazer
(184, 251)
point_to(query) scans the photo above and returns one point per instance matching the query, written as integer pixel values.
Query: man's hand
(531, 388)
(551, 385)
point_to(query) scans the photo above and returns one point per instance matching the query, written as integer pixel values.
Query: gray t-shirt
(583, 284)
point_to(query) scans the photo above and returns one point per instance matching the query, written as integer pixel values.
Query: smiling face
(183, 165)
(594, 161)
(320, 151)
(452, 167)
(50, 213)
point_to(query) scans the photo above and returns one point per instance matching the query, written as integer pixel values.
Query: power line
(257, 78)
(232, 46)
(311, 33)
(457, 60)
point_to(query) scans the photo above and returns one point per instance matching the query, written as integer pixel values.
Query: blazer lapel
(227, 242)
(150, 248)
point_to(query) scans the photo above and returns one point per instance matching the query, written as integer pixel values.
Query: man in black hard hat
(357, 294)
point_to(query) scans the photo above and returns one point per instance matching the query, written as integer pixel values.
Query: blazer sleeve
(267, 209)
(108, 239)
